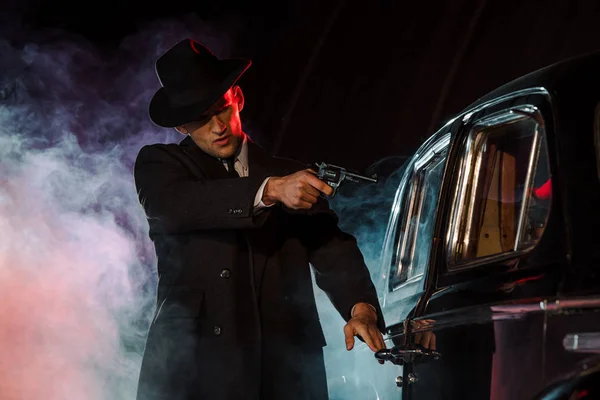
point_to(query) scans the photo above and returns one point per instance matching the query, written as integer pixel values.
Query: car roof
(584, 69)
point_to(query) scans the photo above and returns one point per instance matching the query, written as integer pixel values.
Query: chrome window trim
(409, 234)
(457, 218)
(466, 116)
(390, 231)
(536, 114)
(406, 242)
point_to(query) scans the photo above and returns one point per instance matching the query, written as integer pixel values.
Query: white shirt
(241, 167)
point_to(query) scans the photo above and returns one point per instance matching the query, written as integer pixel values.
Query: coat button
(231, 211)
(225, 274)
(217, 330)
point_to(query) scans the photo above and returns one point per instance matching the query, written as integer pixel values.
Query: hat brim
(163, 114)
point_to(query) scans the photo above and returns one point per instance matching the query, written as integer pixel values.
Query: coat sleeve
(177, 202)
(340, 269)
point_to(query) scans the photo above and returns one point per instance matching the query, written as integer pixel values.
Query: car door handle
(583, 342)
(413, 353)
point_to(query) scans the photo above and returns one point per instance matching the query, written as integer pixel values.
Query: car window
(414, 232)
(503, 192)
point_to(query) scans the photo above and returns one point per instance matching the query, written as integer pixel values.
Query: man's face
(218, 132)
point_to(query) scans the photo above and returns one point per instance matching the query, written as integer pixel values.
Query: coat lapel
(211, 167)
(259, 162)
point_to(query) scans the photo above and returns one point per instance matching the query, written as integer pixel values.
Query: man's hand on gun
(334, 175)
(302, 189)
(296, 191)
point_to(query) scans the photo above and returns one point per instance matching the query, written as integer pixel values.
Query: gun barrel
(360, 177)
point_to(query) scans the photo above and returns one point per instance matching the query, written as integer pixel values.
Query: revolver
(334, 175)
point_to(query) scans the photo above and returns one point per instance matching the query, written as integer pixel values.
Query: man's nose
(217, 126)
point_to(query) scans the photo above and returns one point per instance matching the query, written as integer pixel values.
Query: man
(234, 231)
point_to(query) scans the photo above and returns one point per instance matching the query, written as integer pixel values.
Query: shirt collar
(243, 154)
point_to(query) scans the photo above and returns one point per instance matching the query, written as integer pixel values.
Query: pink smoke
(63, 279)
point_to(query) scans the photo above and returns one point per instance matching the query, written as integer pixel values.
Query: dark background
(351, 82)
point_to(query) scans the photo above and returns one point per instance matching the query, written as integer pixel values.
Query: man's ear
(182, 129)
(239, 97)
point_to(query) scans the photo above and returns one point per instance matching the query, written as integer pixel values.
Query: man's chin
(224, 153)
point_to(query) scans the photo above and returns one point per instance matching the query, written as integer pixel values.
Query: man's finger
(419, 339)
(379, 339)
(309, 198)
(326, 189)
(426, 340)
(301, 205)
(310, 190)
(318, 184)
(363, 331)
(308, 194)
(349, 333)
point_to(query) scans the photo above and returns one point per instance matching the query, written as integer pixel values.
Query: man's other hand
(364, 323)
(296, 191)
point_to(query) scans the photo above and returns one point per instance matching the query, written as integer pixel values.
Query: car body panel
(500, 277)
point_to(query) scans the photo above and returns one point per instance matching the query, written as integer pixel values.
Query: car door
(400, 273)
(404, 261)
(485, 272)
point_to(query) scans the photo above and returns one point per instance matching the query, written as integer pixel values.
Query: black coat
(236, 314)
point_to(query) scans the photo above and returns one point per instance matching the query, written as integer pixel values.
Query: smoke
(364, 208)
(77, 271)
(364, 211)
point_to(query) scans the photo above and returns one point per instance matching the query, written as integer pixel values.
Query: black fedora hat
(192, 79)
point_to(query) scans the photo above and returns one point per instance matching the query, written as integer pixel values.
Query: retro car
(489, 273)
